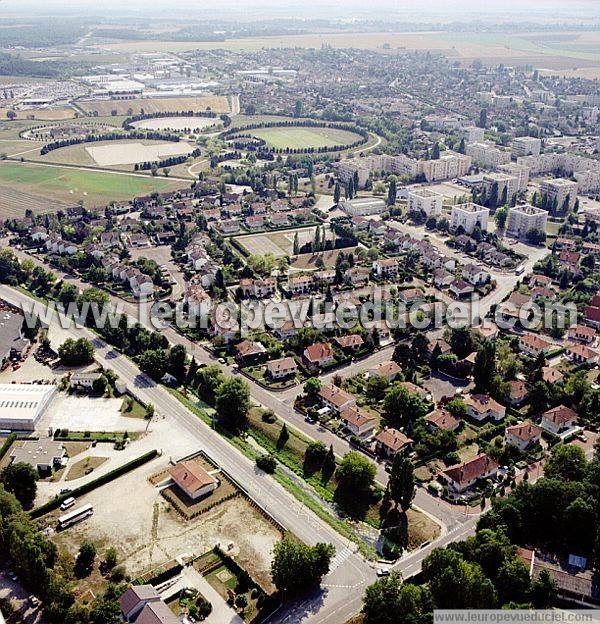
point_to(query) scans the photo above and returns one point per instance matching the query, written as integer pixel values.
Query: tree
(376, 386)
(284, 436)
(535, 236)
(401, 406)
(312, 387)
(296, 568)
(76, 352)
(389, 601)
(111, 558)
(99, 385)
(85, 559)
(544, 591)
(482, 123)
(177, 362)
(513, 582)
(329, 465)
(315, 454)
(356, 473)
(232, 403)
(435, 152)
(154, 363)
(20, 479)
(567, 462)
(241, 602)
(391, 199)
(296, 244)
(500, 216)
(267, 463)
(401, 484)
(336, 193)
(11, 115)
(484, 369)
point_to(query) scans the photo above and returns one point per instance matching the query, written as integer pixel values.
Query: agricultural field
(178, 124)
(216, 103)
(131, 152)
(301, 138)
(43, 114)
(42, 188)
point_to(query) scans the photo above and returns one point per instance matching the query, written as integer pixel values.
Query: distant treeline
(208, 114)
(11, 65)
(167, 162)
(111, 136)
(260, 145)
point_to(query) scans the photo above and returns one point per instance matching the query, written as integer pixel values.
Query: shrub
(267, 463)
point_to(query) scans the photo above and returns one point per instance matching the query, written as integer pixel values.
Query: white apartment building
(471, 134)
(585, 170)
(425, 200)
(347, 168)
(526, 146)
(523, 218)
(518, 171)
(560, 195)
(507, 185)
(486, 154)
(469, 216)
(449, 165)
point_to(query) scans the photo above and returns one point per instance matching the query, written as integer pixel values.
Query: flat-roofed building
(486, 154)
(425, 200)
(559, 195)
(526, 146)
(521, 172)
(506, 185)
(43, 454)
(468, 216)
(22, 405)
(522, 219)
(363, 206)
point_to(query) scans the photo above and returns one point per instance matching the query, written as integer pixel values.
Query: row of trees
(110, 136)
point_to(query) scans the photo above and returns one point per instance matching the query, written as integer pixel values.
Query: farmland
(278, 243)
(46, 185)
(218, 104)
(301, 138)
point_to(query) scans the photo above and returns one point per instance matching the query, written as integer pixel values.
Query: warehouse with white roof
(22, 405)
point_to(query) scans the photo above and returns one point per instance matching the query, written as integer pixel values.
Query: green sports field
(302, 138)
(20, 182)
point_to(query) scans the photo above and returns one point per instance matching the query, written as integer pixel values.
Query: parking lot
(88, 414)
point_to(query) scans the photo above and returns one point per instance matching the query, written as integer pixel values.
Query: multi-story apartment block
(425, 200)
(518, 171)
(526, 146)
(486, 154)
(559, 195)
(468, 216)
(471, 134)
(507, 186)
(449, 165)
(522, 219)
(585, 170)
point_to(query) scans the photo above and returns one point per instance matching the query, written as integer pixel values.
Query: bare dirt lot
(131, 515)
(126, 153)
(177, 123)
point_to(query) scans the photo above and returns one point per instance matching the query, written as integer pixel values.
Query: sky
(409, 10)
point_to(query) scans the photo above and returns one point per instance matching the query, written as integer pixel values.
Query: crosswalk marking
(339, 558)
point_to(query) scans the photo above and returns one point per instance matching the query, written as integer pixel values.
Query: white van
(69, 502)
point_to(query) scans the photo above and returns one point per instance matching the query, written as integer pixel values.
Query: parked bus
(69, 502)
(75, 516)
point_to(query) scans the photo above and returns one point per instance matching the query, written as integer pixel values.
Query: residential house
(552, 375)
(135, 599)
(385, 268)
(282, 368)
(581, 354)
(318, 355)
(465, 475)
(534, 345)
(558, 419)
(248, 352)
(336, 399)
(193, 479)
(475, 275)
(523, 435)
(459, 288)
(388, 369)
(300, 285)
(441, 418)
(198, 301)
(582, 333)
(84, 381)
(517, 392)
(481, 407)
(350, 342)
(442, 278)
(358, 422)
(389, 441)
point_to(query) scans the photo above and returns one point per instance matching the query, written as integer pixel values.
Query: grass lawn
(137, 410)
(301, 138)
(95, 188)
(223, 580)
(84, 467)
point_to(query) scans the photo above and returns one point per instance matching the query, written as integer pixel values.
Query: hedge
(92, 485)
(7, 444)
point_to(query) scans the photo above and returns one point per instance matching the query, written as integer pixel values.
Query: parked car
(383, 572)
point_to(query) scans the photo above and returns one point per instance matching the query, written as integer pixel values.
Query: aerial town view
(299, 312)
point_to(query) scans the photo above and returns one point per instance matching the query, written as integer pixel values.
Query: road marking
(339, 558)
